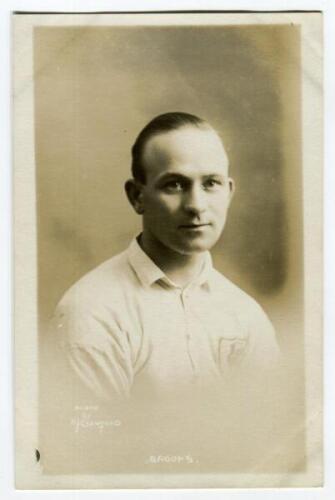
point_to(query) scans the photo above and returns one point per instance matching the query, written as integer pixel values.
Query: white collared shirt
(125, 324)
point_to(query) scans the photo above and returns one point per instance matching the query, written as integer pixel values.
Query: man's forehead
(184, 143)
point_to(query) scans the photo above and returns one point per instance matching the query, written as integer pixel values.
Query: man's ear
(231, 188)
(134, 194)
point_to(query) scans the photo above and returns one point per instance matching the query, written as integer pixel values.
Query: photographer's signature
(85, 420)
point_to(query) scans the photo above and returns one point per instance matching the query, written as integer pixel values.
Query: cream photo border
(28, 473)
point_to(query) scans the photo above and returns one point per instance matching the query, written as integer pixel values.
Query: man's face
(187, 190)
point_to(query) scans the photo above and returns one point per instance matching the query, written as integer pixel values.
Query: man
(158, 319)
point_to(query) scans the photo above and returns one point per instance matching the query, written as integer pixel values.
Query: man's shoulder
(105, 281)
(232, 295)
(243, 307)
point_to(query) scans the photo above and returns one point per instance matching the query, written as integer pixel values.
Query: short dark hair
(162, 123)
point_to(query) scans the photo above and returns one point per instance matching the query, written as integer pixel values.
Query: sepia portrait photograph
(168, 250)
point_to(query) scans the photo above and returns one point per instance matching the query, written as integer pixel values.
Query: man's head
(180, 182)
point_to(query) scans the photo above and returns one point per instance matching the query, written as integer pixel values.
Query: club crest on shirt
(231, 352)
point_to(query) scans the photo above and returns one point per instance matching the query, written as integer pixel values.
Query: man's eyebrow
(208, 176)
(172, 175)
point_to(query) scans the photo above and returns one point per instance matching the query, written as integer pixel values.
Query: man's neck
(181, 269)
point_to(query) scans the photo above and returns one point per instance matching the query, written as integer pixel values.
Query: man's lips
(194, 225)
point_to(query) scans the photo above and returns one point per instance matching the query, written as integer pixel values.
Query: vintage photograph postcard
(168, 250)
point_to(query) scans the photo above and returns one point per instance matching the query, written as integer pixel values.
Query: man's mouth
(196, 225)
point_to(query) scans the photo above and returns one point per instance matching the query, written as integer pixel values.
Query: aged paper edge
(28, 475)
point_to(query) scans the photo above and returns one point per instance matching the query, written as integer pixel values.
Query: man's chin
(194, 247)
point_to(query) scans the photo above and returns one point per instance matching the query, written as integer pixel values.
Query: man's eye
(212, 183)
(173, 186)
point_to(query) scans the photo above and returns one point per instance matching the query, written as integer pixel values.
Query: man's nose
(195, 200)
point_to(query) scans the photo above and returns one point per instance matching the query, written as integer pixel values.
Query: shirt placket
(185, 303)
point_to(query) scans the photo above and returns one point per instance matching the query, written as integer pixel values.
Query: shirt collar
(148, 272)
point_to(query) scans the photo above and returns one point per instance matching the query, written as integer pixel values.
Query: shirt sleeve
(95, 351)
(263, 349)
